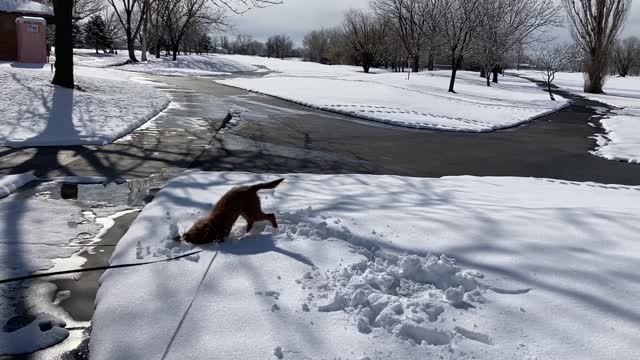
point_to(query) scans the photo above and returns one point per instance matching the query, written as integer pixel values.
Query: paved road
(556, 146)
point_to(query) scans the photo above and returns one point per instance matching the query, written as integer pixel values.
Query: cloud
(296, 17)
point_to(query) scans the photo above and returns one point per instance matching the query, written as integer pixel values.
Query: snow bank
(356, 270)
(106, 107)
(11, 183)
(622, 140)
(24, 334)
(419, 102)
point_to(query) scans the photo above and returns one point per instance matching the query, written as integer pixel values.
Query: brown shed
(10, 10)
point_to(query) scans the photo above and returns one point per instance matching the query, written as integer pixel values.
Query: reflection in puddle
(69, 191)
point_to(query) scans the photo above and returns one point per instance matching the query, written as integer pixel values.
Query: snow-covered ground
(107, 106)
(622, 140)
(185, 65)
(522, 268)
(422, 101)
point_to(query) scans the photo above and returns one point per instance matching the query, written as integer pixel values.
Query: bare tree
(626, 55)
(279, 46)
(413, 21)
(225, 44)
(316, 45)
(85, 8)
(460, 21)
(178, 16)
(595, 25)
(364, 34)
(127, 11)
(551, 60)
(505, 25)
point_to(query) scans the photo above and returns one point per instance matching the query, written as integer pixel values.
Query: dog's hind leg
(272, 219)
(249, 221)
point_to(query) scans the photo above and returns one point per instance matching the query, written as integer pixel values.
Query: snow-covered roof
(25, 6)
(30, 19)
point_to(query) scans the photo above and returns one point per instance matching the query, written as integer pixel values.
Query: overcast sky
(296, 17)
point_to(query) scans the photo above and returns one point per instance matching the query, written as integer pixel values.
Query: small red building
(10, 11)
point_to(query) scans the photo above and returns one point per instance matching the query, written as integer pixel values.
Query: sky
(296, 17)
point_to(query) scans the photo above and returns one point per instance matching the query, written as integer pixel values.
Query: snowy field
(622, 140)
(107, 106)
(420, 102)
(185, 65)
(521, 268)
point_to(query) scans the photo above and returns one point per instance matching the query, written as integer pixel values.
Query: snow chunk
(11, 183)
(24, 335)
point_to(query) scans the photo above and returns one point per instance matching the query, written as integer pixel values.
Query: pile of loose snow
(404, 295)
(106, 107)
(24, 335)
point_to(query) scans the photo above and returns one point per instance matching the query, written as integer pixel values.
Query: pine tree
(96, 34)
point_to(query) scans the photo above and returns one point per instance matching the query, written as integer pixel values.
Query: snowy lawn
(107, 106)
(420, 102)
(185, 65)
(534, 268)
(622, 140)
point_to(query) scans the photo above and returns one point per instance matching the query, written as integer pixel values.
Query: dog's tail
(268, 185)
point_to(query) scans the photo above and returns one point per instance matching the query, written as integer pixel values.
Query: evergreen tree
(96, 34)
(78, 36)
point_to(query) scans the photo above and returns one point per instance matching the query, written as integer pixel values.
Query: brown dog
(241, 201)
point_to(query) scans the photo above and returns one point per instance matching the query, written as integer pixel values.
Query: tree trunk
(483, 73)
(495, 74)
(596, 72)
(175, 52)
(452, 82)
(131, 48)
(488, 78)
(415, 66)
(158, 50)
(550, 93)
(63, 10)
(430, 61)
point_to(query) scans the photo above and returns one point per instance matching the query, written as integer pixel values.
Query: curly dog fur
(240, 201)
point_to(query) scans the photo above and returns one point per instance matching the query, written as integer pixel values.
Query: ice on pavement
(381, 267)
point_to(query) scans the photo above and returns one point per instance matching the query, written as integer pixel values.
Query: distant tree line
(418, 34)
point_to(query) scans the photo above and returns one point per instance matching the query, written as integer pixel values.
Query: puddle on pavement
(82, 288)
